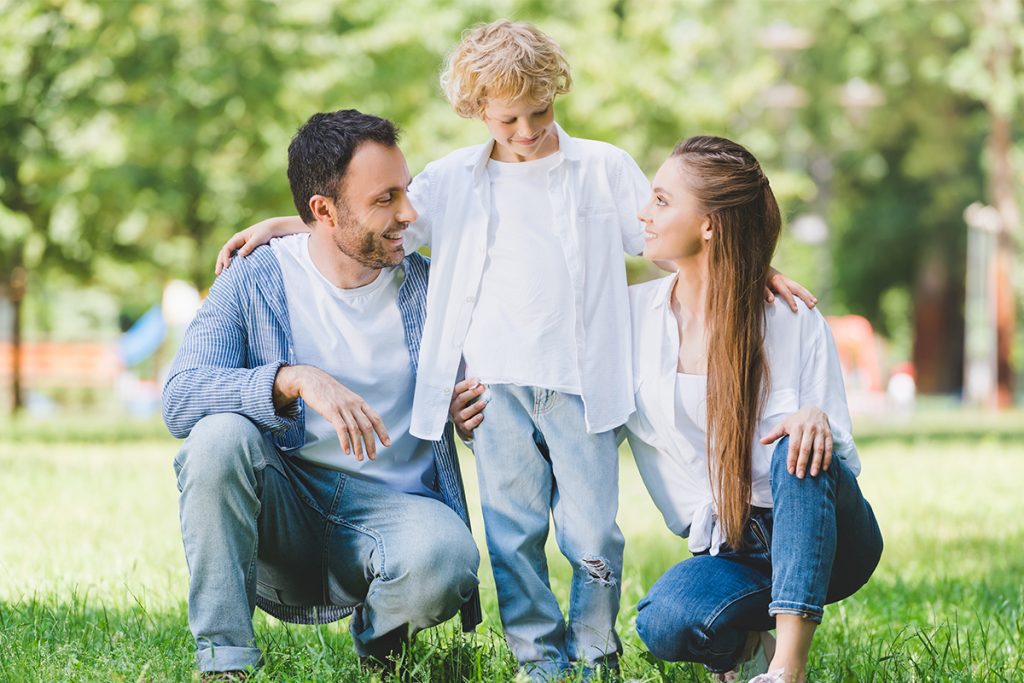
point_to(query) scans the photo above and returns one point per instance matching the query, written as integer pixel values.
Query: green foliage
(135, 136)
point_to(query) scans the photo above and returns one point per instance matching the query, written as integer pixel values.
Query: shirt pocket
(598, 220)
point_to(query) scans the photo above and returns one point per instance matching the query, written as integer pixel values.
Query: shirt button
(470, 299)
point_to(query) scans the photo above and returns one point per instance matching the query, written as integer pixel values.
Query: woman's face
(675, 225)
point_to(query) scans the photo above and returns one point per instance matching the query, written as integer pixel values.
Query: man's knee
(220, 446)
(445, 564)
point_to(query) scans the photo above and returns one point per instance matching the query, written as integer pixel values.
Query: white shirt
(357, 337)
(525, 308)
(595, 194)
(672, 458)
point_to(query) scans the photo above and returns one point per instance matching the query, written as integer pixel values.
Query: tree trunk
(1005, 203)
(1001, 70)
(938, 328)
(16, 292)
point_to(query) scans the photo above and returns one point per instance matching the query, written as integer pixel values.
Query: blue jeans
(535, 460)
(256, 523)
(817, 545)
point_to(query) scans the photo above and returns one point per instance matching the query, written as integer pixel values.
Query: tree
(47, 73)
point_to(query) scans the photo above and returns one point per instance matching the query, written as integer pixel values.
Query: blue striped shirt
(229, 359)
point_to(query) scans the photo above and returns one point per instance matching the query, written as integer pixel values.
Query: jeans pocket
(761, 534)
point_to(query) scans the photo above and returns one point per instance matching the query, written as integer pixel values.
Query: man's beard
(371, 251)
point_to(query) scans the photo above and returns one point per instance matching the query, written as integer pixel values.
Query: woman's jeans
(535, 460)
(256, 523)
(817, 545)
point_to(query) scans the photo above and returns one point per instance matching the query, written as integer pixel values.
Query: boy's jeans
(534, 460)
(818, 544)
(300, 535)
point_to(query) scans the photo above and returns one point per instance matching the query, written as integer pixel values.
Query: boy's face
(523, 130)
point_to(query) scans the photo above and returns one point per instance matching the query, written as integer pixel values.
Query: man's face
(374, 209)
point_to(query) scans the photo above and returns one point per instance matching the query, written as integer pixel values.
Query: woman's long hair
(732, 189)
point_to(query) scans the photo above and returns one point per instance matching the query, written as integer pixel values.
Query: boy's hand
(255, 235)
(788, 290)
(466, 409)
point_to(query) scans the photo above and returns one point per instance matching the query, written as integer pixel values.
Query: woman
(776, 532)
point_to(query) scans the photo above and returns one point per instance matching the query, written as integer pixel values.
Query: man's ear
(323, 210)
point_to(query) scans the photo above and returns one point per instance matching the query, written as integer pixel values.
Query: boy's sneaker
(776, 676)
(604, 670)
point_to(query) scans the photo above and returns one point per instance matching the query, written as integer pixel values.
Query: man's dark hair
(320, 152)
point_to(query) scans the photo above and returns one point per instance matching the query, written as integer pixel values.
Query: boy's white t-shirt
(523, 327)
(357, 337)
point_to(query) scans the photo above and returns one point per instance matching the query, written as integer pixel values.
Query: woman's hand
(465, 410)
(255, 235)
(788, 289)
(810, 441)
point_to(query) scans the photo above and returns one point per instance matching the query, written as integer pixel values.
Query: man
(303, 358)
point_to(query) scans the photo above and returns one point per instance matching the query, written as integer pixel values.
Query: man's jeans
(300, 535)
(817, 545)
(534, 460)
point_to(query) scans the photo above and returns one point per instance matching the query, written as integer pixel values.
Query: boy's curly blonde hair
(504, 59)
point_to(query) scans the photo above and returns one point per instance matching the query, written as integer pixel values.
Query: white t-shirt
(523, 327)
(357, 337)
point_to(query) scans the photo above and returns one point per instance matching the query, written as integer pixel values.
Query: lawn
(93, 580)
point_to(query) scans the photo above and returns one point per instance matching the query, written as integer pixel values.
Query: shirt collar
(664, 292)
(566, 145)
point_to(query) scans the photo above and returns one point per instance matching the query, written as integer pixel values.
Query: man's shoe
(223, 676)
(385, 667)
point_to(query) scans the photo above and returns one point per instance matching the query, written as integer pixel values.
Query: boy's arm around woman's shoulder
(632, 190)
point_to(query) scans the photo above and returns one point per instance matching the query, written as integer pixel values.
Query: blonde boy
(528, 286)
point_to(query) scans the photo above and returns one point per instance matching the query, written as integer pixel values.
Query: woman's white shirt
(804, 370)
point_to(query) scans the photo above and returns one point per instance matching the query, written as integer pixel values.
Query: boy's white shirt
(595, 195)
(804, 370)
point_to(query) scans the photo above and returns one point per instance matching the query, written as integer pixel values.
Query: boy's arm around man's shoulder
(210, 373)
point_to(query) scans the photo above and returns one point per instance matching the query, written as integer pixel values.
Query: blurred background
(137, 135)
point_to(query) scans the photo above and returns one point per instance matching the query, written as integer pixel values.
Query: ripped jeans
(535, 460)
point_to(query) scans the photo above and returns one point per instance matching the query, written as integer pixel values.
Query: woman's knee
(780, 466)
(668, 632)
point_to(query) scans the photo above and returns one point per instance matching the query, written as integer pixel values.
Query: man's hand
(788, 289)
(353, 419)
(810, 438)
(465, 410)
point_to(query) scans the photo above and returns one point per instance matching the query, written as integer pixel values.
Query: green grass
(93, 580)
